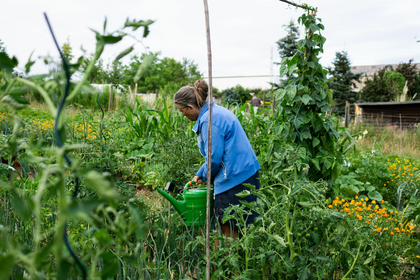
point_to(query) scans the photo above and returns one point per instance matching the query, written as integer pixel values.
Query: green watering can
(192, 206)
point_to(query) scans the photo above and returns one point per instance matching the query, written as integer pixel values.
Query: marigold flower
(378, 229)
(392, 233)
(374, 201)
(360, 218)
(375, 226)
(382, 201)
(346, 210)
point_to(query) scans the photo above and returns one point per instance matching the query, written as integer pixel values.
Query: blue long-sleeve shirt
(233, 160)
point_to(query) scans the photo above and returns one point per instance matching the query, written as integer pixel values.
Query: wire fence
(380, 120)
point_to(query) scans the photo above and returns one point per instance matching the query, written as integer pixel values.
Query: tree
(342, 82)
(67, 51)
(395, 82)
(166, 73)
(98, 74)
(375, 89)
(2, 47)
(287, 47)
(191, 69)
(410, 72)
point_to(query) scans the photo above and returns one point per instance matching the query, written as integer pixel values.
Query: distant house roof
(369, 70)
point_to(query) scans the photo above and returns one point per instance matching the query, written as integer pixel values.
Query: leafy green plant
(347, 184)
(305, 103)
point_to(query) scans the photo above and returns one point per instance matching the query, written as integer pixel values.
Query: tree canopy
(342, 82)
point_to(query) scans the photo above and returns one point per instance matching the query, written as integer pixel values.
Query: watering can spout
(180, 206)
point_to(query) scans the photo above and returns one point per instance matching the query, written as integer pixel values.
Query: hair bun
(202, 88)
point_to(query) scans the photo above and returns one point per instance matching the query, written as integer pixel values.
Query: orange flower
(378, 229)
(392, 233)
(346, 210)
(360, 218)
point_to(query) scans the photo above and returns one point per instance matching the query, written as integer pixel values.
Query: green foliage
(288, 47)
(350, 187)
(343, 80)
(164, 74)
(376, 89)
(411, 74)
(67, 51)
(181, 159)
(385, 88)
(2, 47)
(306, 102)
(238, 95)
(395, 83)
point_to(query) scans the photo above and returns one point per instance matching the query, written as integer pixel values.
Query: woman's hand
(197, 180)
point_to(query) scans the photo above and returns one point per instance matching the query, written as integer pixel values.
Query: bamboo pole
(206, 12)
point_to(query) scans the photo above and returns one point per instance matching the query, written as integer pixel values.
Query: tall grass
(391, 140)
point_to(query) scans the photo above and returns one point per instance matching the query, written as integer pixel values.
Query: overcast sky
(243, 32)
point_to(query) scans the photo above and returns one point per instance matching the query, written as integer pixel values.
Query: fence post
(346, 114)
(400, 123)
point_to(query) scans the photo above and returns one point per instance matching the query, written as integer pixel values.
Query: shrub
(395, 83)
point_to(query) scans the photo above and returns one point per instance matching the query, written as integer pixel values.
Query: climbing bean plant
(305, 103)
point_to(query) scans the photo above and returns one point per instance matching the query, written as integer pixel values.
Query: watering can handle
(189, 184)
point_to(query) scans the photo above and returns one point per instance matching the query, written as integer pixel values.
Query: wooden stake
(346, 114)
(131, 95)
(264, 99)
(135, 95)
(273, 104)
(110, 100)
(206, 12)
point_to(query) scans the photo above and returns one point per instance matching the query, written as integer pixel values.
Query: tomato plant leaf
(7, 63)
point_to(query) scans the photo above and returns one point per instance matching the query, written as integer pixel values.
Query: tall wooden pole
(210, 102)
(346, 114)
